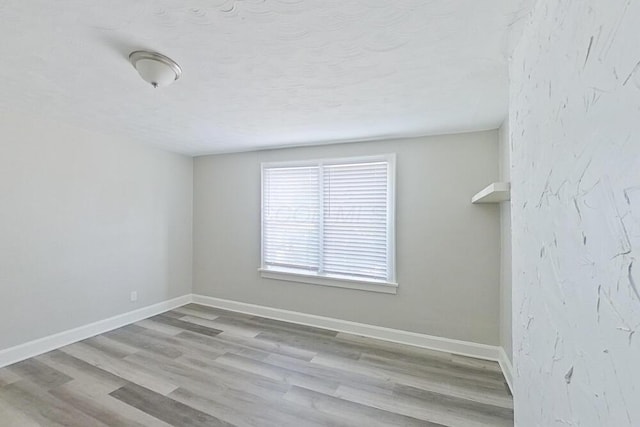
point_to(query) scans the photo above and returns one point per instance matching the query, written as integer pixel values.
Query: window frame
(389, 285)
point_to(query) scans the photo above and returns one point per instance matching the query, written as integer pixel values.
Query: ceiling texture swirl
(260, 73)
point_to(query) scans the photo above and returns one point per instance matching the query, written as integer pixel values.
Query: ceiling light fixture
(155, 68)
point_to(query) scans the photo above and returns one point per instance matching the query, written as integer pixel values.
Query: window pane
(290, 217)
(355, 219)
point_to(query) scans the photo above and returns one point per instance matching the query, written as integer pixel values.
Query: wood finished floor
(199, 366)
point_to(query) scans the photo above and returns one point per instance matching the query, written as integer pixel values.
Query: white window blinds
(330, 218)
(291, 208)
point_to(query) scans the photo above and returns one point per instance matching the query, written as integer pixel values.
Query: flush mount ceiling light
(155, 68)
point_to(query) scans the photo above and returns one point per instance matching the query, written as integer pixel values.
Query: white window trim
(330, 280)
(389, 286)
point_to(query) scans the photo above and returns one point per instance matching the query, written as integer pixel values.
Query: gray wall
(504, 149)
(575, 124)
(84, 220)
(447, 248)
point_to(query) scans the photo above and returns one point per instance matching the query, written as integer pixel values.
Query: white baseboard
(34, 348)
(507, 367)
(464, 348)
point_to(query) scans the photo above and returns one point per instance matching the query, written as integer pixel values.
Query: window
(330, 222)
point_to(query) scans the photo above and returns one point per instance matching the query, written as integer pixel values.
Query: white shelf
(494, 193)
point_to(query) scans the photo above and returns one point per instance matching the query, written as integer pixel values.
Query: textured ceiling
(260, 73)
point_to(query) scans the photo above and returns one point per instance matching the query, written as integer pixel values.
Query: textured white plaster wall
(575, 127)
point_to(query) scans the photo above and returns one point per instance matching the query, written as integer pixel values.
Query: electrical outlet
(134, 296)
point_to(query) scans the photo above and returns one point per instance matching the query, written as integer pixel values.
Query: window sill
(338, 282)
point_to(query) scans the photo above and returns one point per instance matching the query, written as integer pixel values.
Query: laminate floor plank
(109, 346)
(99, 404)
(141, 342)
(10, 415)
(319, 344)
(120, 368)
(354, 413)
(472, 411)
(175, 321)
(418, 355)
(266, 348)
(439, 373)
(203, 366)
(207, 375)
(40, 374)
(427, 359)
(216, 311)
(434, 383)
(245, 410)
(235, 328)
(241, 326)
(448, 413)
(279, 325)
(245, 407)
(8, 377)
(223, 344)
(413, 359)
(187, 310)
(237, 409)
(231, 400)
(165, 408)
(42, 407)
(280, 374)
(259, 324)
(80, 370)
(380, 384)
(198, 346)
(159, 327)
